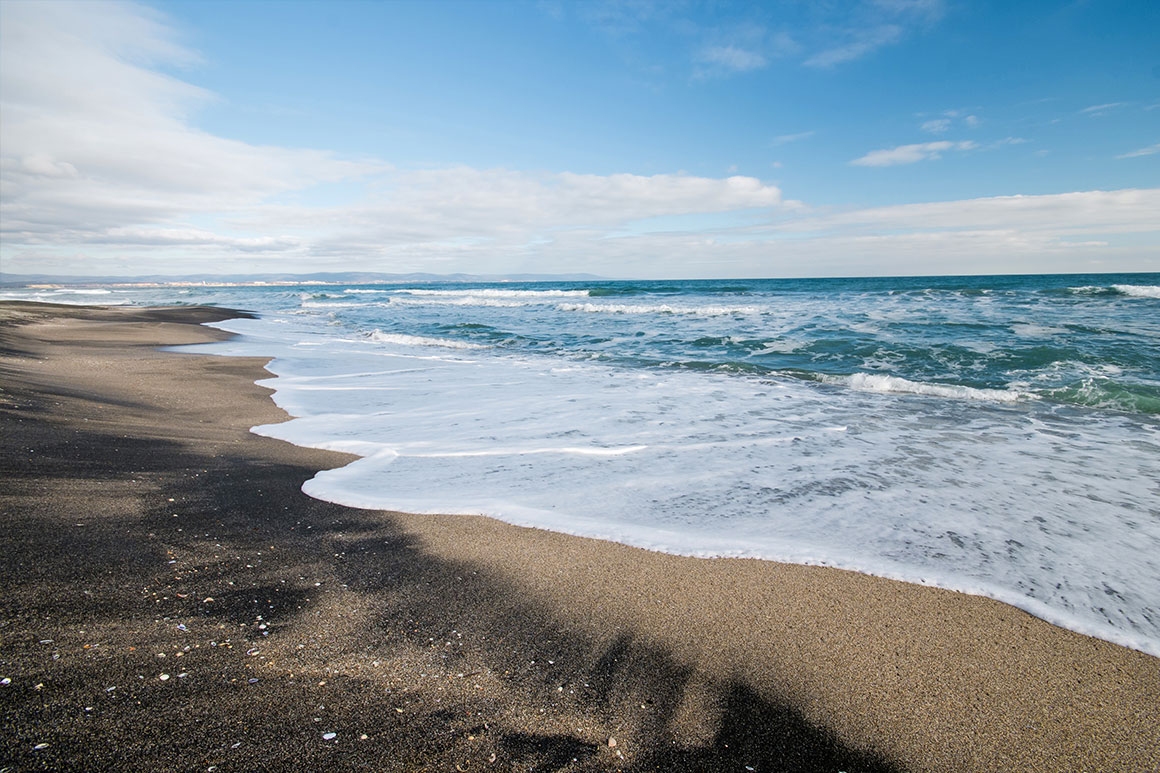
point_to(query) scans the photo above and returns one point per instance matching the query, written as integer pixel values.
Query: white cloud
(948, 119)
(576, 228)
(93, 139)
(192, 237)
(1096, 110)
(1151, 150)
(860, 43)
(732, 58)
(1005, 141)
(1082, 231)
(514, 207)
(1122, 211)
(909, 154)
(866, 27)
(787, 138)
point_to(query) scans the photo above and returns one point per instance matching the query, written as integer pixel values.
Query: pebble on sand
(329, 736)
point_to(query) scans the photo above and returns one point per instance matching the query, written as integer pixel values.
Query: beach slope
(172, 601)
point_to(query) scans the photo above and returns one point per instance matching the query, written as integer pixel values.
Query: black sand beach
(172, 601)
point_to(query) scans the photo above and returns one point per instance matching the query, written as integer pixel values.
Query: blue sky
(620, 138)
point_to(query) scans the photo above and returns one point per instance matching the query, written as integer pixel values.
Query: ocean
(994, 435)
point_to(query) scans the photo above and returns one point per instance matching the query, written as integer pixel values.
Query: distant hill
(339, 277)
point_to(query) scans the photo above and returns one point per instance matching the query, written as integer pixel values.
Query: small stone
(164, 677)
(329, 736)
(5, 681)
(611, 742)
(40, 746)
(363, 737)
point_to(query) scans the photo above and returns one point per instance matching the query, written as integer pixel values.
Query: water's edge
(646, 538)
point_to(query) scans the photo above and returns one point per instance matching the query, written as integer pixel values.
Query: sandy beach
(172, 601)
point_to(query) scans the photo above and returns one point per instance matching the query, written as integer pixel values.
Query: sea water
(993, 435)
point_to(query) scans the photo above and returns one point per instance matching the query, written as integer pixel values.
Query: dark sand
(147, 532)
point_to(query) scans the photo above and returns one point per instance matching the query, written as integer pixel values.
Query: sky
(626, 139)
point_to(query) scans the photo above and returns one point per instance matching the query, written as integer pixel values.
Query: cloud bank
(95, 137)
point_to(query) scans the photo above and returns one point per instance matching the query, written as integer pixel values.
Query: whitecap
(494, 293)
(880, 382)
(408, 340)
(1139, 291)
(663, 308)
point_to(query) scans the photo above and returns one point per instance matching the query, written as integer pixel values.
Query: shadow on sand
(322, 619)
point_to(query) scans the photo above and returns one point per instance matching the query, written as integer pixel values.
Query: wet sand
(172, 601)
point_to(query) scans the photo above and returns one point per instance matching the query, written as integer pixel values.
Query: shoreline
(448, 639)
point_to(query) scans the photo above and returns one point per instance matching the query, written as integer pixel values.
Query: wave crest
(405, 340)
(1138, 291)
(880, 382)
(664, 308)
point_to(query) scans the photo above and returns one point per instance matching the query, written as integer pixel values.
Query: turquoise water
(993, 435)
(1088, 340)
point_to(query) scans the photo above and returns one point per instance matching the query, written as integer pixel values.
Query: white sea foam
(462, 300)
(495, 293)
(538, 298)
(409, 340)
(779, 347)
(61, 297)
(879, 382)
(1052, 511)
(1029, 330)
(1139, 291)
(332, 304)
(659, 308)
